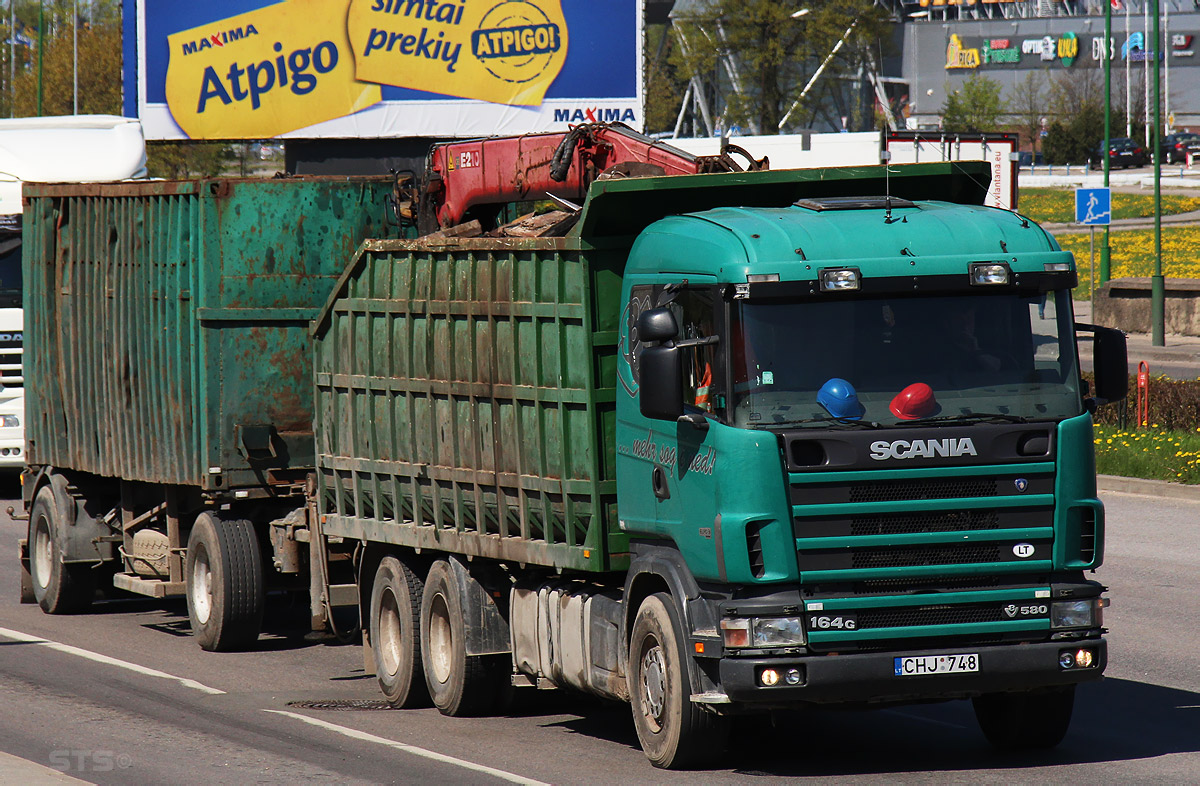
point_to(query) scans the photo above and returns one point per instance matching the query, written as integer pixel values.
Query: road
(123, 695)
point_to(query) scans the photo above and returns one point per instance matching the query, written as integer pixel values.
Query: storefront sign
(959, 57)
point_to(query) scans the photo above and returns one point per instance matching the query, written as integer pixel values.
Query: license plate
(925, 665)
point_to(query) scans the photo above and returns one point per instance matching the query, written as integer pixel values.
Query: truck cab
(857, 429)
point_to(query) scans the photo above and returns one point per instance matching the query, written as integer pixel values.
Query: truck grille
(899, 523)
(959, 614)
(941, 488)
(899, 558)
(11, 372)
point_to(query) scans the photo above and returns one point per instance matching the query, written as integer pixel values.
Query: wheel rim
(201, 589)
(654, 685)
(441, 639)
(389, 632)
(43, 553)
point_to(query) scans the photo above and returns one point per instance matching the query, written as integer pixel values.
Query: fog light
(792, 677)
(1066, 660)
(1083, 659)
(769, 677)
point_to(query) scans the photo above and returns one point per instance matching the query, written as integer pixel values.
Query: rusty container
(465, 399)
(167, 322)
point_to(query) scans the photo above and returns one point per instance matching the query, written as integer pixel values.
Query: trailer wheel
(395, 634)
(57, 587)
(674, 732)
(1023, 721)
(459, 684)
(225, 595)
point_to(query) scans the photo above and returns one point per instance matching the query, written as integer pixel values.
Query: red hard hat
(915, 401)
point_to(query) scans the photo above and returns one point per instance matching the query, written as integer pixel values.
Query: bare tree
(1028, 104)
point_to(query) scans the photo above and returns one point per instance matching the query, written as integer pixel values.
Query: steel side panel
(163, 316)
(465, 399)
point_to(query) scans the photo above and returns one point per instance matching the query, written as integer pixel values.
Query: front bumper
(871, 677)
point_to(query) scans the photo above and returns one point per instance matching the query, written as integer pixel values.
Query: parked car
(1122, 152)
(1175, 147)
(1030, 158)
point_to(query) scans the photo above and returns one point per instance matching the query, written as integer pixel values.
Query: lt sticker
(502, 51)
(265, 72)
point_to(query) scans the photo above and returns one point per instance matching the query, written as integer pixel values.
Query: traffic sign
(1093, 206)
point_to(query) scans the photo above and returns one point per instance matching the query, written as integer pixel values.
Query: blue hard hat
(840, 399)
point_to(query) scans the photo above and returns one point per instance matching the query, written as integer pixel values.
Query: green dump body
(167, 322)
(465, 389)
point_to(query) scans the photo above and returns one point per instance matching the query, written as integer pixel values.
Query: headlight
(762, 632)
(1074, 614)
(778, 632)
(9, 421)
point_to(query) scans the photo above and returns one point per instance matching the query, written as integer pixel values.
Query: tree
(761, 54)
(1028, 104)
(1077, 105)
(180, 160)
(974, 107)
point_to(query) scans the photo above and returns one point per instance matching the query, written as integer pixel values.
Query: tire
(57, 588)
(395, 634)
(674, 732)
(1025, 721)
(224, 576)
(459, 685)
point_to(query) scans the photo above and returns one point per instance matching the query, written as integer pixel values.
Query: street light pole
(1105, 270)
(1157, 284)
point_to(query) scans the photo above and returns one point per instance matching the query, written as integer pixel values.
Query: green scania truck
(735, 442)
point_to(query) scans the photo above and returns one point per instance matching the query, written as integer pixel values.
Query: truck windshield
(1006, 356)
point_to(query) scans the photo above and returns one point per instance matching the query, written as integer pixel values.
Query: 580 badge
(832, 622)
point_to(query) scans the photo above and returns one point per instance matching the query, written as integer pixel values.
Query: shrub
(1173, 405)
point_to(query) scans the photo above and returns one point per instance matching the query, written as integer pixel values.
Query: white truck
(69, 149)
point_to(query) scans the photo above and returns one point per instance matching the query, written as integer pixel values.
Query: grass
(1057, 205)
(1153, 453)
(1132, 253)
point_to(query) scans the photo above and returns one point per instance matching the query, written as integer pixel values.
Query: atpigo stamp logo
(516, 41)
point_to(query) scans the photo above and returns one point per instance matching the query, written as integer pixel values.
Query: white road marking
(413, 749)
(17, 635)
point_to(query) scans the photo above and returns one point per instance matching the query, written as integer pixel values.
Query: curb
(1153, 488)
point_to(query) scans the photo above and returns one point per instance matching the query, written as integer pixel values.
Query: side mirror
(657, 324)
(1111, 363)
(660, 370)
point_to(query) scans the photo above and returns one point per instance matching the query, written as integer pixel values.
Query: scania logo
(922, 448)
(1011, 610)
(6, 337)
(1021, 484)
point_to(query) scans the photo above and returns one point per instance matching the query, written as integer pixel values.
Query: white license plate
(925, 665)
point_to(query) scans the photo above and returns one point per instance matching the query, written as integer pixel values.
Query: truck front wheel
(225, 594)
(396, 641)
(57, 587)
(674, 732)
(1022, 721)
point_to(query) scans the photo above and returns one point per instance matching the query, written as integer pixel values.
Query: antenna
(886, 156)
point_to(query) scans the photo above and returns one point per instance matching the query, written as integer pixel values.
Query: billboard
(250, 69)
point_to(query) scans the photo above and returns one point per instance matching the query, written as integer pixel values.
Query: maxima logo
(922, 448)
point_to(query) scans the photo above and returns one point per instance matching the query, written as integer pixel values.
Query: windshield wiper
(971, 417)
(827, 419)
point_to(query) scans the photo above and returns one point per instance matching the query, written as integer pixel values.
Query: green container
(167, 322)
(465, 399)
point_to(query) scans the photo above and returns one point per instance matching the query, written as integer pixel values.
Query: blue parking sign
(1093, 206)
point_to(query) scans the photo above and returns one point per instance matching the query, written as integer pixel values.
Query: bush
(1173, 405)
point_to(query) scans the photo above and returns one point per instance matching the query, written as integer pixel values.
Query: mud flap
(27, 595)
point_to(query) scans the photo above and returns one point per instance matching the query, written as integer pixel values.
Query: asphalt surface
(194, 717)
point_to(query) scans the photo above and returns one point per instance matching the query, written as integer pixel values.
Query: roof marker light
(1057, 267)
(761, 278)
(987, 273)
(839, 279)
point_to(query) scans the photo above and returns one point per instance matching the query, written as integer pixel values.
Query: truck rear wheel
(1022, 721)
(395, 634)
(57, 587)
(459, 684)
(225, 594)
(674, 732)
